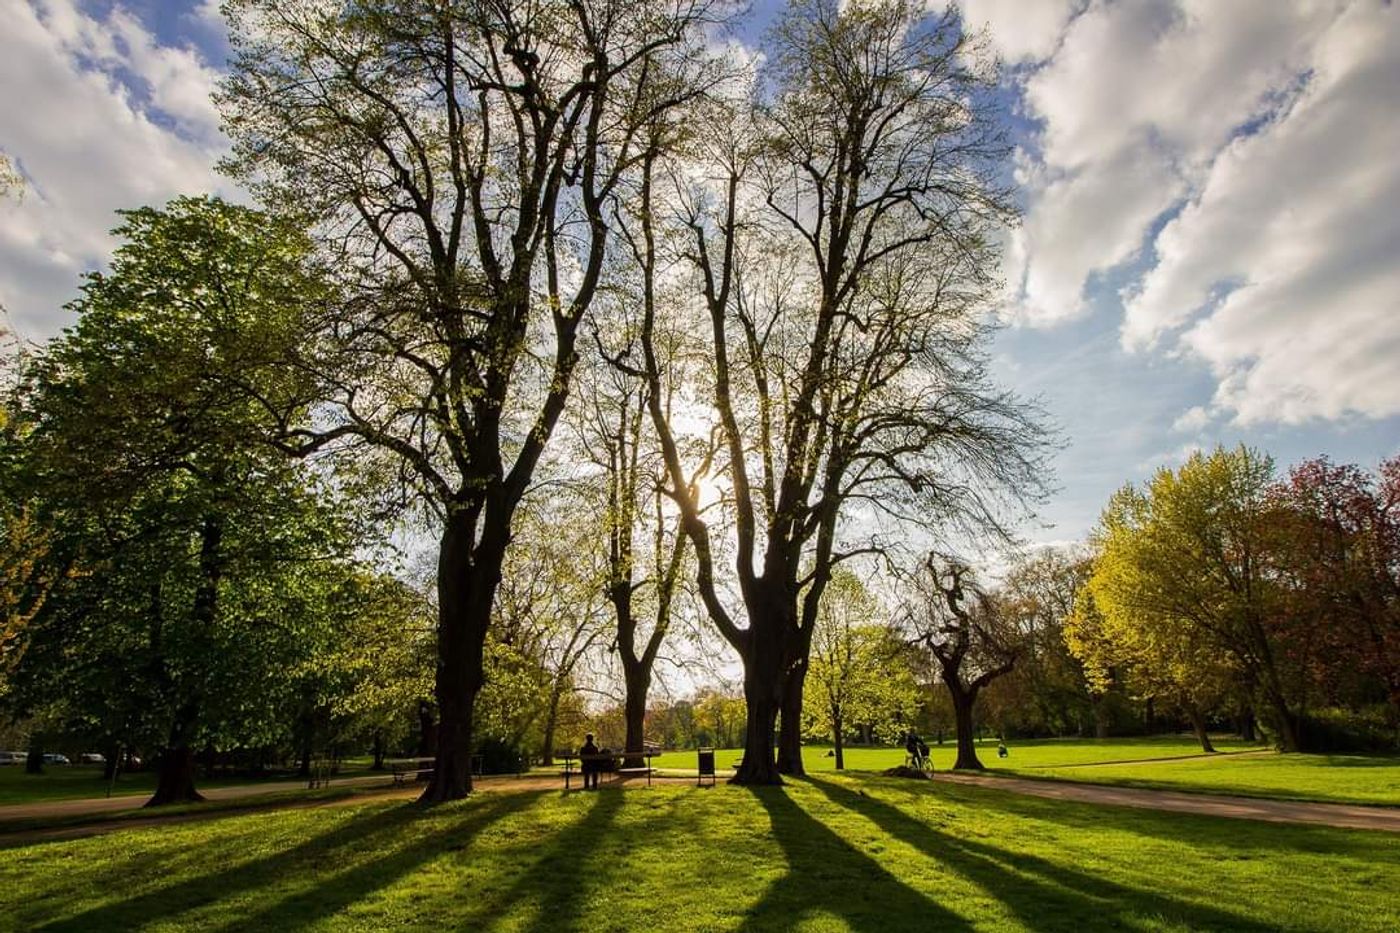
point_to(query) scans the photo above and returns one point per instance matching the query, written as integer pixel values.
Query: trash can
(706, 766)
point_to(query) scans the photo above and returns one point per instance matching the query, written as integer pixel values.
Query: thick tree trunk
(1198, 726)
(760, 765)
(34, 757)
(790, 721)
(175, 773)
(963, 700)
(637, 679)
(467, 580)
(838, 740)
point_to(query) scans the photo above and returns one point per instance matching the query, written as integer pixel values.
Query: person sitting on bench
(589, 768)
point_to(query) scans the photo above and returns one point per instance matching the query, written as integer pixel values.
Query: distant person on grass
(589, 768)
(1001, 749)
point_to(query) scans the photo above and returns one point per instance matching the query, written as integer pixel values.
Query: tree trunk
(1285, 724)
(378, 751)
(837, 740)
(175, 778)
(467, 580)
(790, 722)
(760, 765)
(634, 710)
(1198, 726)
(1100, 719)
(112, 754)
(1247, 732)
(551, 724)
(34, 757)
(963, 700)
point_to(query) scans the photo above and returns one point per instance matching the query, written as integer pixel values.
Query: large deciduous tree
(145, 448)
(458, 160)
(1183, 564)
(842, 244)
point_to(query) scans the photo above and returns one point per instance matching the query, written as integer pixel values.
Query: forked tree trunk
(760, 765)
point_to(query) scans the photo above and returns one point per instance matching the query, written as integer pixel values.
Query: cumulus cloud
(97, 116)
(1020, 31)
(1234, 163)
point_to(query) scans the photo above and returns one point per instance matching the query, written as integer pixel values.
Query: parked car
(92, 758)
(12, 758)
(54, 758)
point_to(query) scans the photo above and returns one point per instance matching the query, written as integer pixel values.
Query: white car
(92, 758)
(54, 758)
(12, 758)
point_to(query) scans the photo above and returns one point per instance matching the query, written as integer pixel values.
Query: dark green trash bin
(707, 765)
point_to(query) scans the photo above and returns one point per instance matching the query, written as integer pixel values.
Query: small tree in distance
(963, 628)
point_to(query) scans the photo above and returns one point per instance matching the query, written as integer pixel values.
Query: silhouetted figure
(1001, 749)
(918, 751)
(589, 768)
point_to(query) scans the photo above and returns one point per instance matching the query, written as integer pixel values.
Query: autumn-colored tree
(1335, 543)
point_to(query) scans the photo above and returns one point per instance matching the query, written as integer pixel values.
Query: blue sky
(1210, 251)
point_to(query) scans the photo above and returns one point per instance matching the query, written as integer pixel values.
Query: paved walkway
(1343, 815)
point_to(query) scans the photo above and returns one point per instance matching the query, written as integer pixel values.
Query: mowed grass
(1041, 753)
(833, 852)
(1160, 762)
(1365, 779)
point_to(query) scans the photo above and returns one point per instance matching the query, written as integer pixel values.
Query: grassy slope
(835, 852)
(1371, 779)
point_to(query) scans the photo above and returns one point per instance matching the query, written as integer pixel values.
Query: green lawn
(77, 781)
(1369, 779)
(1149, 762)
(1042, 753)
(829, 853)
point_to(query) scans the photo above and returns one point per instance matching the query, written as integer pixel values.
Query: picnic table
(615, 758)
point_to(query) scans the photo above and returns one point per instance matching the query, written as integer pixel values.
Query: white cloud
(1266, 132)
(1020, 31)
(1191, 420)
(1304, 218)
(98, 116)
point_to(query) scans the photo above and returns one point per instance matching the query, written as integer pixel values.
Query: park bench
(419, 767)
(614, 758)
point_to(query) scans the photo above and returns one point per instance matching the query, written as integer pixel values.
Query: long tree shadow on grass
(571, 866)
(827, 875)
(372, 843)
(1043, 894)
